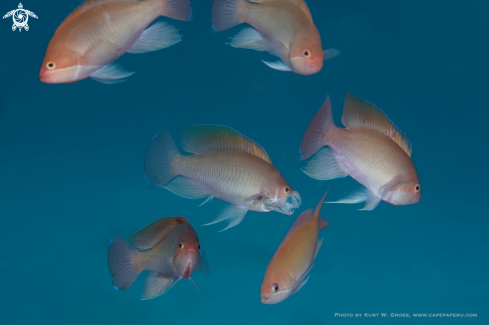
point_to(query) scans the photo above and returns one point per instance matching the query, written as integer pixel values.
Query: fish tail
(228, 13)
(158, 162)
(123, 263)
(319, 131)
(176, 9)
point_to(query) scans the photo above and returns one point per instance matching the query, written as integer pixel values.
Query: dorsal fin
(151, 234)
(361, 113)
(301, 4)
(84, 6)
(306, 217)
(201, 138)
(323, 223)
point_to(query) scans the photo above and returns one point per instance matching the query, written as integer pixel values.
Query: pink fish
(288, 270)
(371, 149)
(283, 28)
(98, 32)
(224, 164)
(168, 247)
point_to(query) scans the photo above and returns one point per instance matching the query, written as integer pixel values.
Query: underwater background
(71, 170)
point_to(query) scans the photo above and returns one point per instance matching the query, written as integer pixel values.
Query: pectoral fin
(232, 213)
(371, 200)
(155, 285)
(277, 65)
(111, 74)
(203, 265)
(331, 53)
(303, 279)
(249, 38)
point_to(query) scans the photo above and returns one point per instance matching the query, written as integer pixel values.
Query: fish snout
(44, 76)
(286, 204)
(295, 199)
(293, 202)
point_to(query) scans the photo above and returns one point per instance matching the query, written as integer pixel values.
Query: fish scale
(238, 174)
(371, 170)
(120, 23)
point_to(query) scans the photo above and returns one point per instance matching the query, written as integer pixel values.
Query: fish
(224, 164)
(371, 149)
(99, 32)
(168, 247)
(284, 28)
(288, 270)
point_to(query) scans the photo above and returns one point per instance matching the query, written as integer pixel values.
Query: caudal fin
(176, 9)
(158, 160)
(316, 135)
(228, 13)
(123, 263)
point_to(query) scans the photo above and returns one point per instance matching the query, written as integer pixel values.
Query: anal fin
(184, 187)
(156, 37)
(232, 213)
(209, 198)
(324, 165)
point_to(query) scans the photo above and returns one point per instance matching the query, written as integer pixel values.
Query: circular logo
(20, 18)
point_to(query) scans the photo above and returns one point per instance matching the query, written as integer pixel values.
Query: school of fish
(219, 162)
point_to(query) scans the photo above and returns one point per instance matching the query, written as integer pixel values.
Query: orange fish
(288, 270)
(283, 28)
(98, 32)
(371, 149)
(168, 247)
(224, 164)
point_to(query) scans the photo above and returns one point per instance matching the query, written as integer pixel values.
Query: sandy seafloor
(71, 170)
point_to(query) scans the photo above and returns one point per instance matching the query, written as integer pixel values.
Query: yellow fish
(98, 32)
(224, 164)
(283, 28)
(288, 270)
(371, 149)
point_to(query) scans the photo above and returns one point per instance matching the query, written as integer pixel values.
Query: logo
(20, 17)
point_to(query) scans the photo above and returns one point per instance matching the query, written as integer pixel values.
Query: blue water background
(71, 175)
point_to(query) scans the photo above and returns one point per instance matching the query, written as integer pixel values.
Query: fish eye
(307, 53)
(287, 190)
(417, 188)
(180, 246)
(275, 287)
(51, 65)
(198, 246)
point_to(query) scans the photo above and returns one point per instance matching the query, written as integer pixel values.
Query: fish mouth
(191, 251)
(286, 204)
(265, 300)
